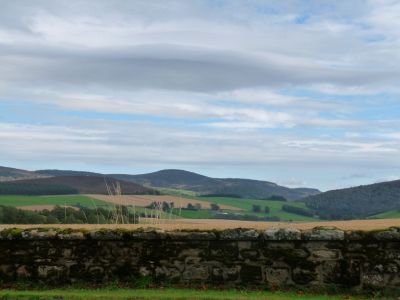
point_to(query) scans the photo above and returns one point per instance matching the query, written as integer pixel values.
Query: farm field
(208, 224)
(145, 200)
(247, 204)
(391, 214)
(169, 293)
(69, 200)
(227, 204)
(43, 207)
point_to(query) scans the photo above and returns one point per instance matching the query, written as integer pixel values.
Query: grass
(275, 207)
(176, 192)
(391, 214)
(14, 200)
(242, 203)
(169, 293)
(196, 214)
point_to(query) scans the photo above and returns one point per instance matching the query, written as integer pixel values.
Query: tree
(277, 198)
(52, 220)
(267, 209)
(166, 206)
(256, 208)
(215, 207)
(190, 206)
(297, 210)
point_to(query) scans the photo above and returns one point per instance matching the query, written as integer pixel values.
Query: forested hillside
(356, 202)
(245, 188)
(70, 185)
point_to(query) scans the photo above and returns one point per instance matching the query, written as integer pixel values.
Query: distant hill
(9, 174)
(356, 202)
(54, 173)
(71, 185)
(245, 188)
(185, 180)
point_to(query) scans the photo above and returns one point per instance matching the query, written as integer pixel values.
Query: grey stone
(324, 234)
(325, 254)
(106, 235)
(35, 234)
(71, 236)
(392, 234)
(179, 235)
(239, 234)
(276, 276)
(199, 272)
(288, 234)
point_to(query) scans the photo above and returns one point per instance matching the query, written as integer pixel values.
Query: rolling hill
(245, 188)
(203, 185)
(9, 174)
(71, 185)
(356, 202)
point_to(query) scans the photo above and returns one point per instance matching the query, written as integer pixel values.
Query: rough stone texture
(278, 257)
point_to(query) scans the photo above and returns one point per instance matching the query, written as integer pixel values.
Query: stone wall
(321, 257)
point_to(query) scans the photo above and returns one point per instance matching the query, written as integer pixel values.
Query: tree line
(66, 215)
(32, 189)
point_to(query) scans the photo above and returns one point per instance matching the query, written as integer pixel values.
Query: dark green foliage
(256, 208)
(165, 206)
(267, 209)
(221, 195)
(14, 188)
(232, 216)
(276, 198)
(190, 206)
(215, 207)
(71, 185)
(356, 202)
(61, 215)
(297, 210)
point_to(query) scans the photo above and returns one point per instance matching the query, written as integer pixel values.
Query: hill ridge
(182, 179)
(356, 202)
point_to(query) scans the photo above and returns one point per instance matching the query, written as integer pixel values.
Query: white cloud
(213, 84)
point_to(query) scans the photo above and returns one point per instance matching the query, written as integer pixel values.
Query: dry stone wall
(322, 257)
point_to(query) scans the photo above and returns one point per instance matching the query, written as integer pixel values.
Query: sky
(301, 93)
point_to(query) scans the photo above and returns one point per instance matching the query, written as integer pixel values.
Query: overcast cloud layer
(303, 93)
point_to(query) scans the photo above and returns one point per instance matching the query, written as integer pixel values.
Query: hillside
(9, 174)
(185, 180)
(54, 173)
(71, 185)
(245, 188)
(356, 202)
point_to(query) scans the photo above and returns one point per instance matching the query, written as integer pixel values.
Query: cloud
(267, 84)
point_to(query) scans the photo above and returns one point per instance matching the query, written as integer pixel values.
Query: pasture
(391, 214)
(69, 200)
(247, 205)
(145, 200)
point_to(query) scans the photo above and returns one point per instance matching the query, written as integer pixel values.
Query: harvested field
(204, 224)
(42, 207)
(145, 200)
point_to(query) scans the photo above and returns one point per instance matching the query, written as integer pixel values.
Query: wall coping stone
(239, 234)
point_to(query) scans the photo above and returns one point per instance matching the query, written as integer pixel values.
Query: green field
(244, 204)
(196, 214)
(391, 214)
(176, 192)
(51, 200)
(247, 205)
(80, 294)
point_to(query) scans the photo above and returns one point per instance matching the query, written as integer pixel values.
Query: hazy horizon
(300, 93)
